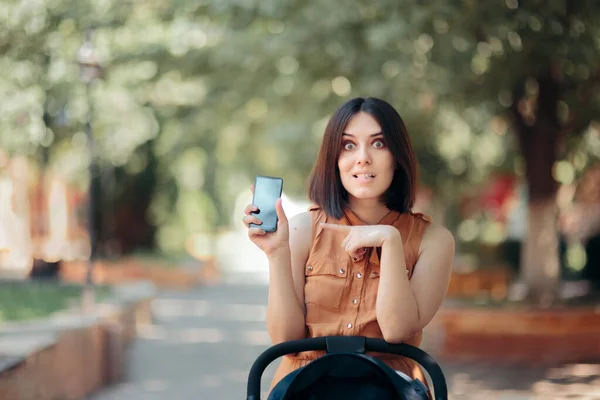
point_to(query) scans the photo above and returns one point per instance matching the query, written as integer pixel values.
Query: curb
(529, 337)
(69, 354)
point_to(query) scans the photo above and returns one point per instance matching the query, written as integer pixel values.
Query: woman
(359, 262)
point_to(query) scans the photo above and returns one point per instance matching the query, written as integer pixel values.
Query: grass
(21, 301)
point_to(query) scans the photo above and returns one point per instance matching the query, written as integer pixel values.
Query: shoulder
(300, 227)
(437, 237)
(301, 222)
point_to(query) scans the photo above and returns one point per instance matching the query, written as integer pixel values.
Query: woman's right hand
(268, 242)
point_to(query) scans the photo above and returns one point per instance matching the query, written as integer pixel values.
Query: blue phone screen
(266, 192)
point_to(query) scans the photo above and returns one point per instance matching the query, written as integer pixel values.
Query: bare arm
(406, 306)
(286, 309)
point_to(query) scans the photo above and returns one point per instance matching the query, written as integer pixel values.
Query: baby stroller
(345, 372)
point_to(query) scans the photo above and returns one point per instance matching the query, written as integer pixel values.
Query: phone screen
(267, 190)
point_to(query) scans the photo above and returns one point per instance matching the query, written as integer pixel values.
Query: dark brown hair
(325, 186)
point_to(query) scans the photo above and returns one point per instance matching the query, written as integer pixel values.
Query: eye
(379, 144)
(349, 146)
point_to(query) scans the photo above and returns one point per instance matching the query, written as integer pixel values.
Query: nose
(363, 157)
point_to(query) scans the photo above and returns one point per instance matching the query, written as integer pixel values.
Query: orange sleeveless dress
(340, 292)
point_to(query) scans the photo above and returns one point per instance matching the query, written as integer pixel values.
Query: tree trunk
(540, 266)
(132, 228)
(538, 131)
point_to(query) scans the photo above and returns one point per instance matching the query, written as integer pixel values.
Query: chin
(365, 194)
(366, 191)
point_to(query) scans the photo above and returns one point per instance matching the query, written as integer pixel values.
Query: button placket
(356, 290)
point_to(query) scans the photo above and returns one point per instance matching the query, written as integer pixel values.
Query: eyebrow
(373, 135)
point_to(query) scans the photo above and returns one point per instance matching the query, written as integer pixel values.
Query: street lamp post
(90, 71)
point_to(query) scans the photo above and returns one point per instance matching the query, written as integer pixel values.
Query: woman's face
(366, 164)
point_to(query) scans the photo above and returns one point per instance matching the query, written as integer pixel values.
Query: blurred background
(130, 133)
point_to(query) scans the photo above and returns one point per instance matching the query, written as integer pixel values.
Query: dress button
(341, 271)
(407, 271)
(349, 326)
(354, 301)
(359, 275)
(310, 268)
(374, 274)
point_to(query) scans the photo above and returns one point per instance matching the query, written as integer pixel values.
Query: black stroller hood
(346, 372)
(347, 376)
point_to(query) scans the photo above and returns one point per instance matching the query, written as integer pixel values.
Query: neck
(369, 211)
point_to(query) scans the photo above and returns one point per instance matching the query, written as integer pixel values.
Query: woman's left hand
(361, 236)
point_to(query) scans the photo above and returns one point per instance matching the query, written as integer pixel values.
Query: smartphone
(267, 189)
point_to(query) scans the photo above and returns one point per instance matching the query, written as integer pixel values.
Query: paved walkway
(201, 346)
(204, 341)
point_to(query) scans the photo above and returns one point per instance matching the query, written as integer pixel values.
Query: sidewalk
(574, 382)
(201, 346)
(204, 341)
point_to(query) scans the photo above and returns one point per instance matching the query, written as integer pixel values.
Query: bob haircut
(325, 186)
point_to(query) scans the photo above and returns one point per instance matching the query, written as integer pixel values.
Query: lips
(364, 179)
(364, 176)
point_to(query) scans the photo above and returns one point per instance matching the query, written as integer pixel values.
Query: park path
(203, 342)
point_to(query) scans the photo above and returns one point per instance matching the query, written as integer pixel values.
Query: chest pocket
(325, 282)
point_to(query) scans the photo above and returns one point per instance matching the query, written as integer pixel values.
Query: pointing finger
(352, 248)
(345, 242)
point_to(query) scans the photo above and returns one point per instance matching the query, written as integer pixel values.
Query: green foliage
(497, 54)
(223, 90)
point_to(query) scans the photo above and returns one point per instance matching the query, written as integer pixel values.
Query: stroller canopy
(347, 376)
(346, 372)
